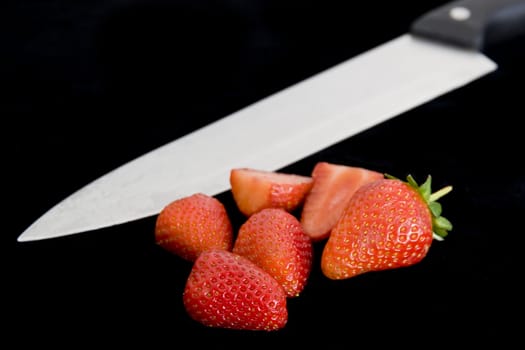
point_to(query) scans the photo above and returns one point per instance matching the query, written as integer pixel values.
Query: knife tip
(24, 238)
(27, 236)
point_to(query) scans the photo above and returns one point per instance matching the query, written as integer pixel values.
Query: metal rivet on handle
(459, 13)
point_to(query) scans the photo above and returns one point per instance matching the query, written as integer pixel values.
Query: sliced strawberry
(193, 224)
(254, 189)
(333, 186)
(226, 290)
(274, 240)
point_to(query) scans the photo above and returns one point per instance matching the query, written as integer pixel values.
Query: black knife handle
(473, 23)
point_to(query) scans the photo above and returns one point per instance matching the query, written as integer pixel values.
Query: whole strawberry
(388, 223)
(189, 225)
(274, 240)
(226, 290)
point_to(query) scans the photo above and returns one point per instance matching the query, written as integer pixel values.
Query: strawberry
(254, 189)
(189, 225)
(333, 185)
(274, 240)
(226, 290)
(388, 223)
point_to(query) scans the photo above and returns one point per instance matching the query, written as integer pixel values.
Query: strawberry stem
(438, 194)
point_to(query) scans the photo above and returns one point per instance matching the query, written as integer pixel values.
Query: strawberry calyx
(440, 225)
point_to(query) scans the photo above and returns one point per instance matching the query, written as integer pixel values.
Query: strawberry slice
(333, 186)
(255, 189)
(226, 290)
(274, 240)
(189, 225)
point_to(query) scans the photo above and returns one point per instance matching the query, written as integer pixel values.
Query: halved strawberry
(189, 225)
(227, 290)
(274, 240)
(255, 189)
(333, 186)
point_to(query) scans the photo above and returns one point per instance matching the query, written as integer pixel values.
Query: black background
(89, 85)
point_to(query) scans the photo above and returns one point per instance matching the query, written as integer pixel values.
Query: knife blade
(442, 51)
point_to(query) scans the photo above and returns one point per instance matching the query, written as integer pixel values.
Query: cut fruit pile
(242, 280)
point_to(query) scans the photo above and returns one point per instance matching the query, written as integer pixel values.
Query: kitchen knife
(442, 52)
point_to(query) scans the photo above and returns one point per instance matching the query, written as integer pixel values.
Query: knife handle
(473, 24)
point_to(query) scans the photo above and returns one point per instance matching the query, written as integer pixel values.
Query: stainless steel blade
(272, 133)
(300, 120)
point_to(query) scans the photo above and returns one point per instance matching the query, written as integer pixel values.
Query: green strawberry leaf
(426, 188)
(442, 223)
(435, 208)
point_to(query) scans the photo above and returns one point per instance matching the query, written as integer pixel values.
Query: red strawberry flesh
(255, 189)
(333, 186)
